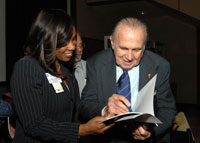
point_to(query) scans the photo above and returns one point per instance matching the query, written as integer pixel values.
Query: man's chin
(128, 67)
(77, 59)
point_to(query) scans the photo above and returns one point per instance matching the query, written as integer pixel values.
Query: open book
(144, 112)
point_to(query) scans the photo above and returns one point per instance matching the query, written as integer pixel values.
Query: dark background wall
(175, 35)
(19, 17)
(2, 41)
(175, 31)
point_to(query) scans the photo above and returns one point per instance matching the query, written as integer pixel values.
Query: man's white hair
(132, 23)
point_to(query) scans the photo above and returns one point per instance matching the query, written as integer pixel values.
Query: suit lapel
(108, 74)
(147, 71)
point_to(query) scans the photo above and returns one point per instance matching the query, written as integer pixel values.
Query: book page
(144, 118)
(117, 117)
(144, 111)
(144, 102)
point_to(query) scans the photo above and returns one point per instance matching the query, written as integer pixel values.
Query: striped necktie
(123, 86)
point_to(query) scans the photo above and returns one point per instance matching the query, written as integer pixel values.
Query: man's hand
(141, 133)
(117, 104)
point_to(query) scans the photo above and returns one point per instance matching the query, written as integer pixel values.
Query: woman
(45, 93)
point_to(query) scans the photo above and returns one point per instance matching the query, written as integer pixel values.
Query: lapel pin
(149, 75)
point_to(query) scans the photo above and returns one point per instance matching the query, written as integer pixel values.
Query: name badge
(56, 82)
(57, 87)
(53, 79)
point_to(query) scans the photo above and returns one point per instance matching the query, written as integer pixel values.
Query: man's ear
(112, 43)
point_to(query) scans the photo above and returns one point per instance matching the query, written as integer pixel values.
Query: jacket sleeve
(91, 104)
(164, 103)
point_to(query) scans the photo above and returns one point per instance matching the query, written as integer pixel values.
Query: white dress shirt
(134, 82)
(80, 74)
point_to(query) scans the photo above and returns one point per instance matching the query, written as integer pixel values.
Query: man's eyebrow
(138, 48)
(122, 47)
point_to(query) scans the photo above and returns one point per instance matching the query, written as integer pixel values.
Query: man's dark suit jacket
(101, 84)
(42, 114)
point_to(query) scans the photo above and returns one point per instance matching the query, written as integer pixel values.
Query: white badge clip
(56, 82)
(58, 87)
(53, 79)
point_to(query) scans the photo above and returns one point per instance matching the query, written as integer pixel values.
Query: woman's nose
(72, 46)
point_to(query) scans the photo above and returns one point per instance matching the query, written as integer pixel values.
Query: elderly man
(128, 55)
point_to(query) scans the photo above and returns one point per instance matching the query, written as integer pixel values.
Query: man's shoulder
(80, 65)
(103, 56)
(81, 62)
(154, 57)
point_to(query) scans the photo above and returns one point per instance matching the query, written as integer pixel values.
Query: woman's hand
(94, 126)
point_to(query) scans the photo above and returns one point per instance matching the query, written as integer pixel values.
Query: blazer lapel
(147, 71)
(68, 89)
(108, 74)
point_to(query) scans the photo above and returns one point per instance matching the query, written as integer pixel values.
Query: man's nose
(78, 48)
(129, 55)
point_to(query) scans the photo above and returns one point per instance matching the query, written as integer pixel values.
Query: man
(6, 108)
(80, 65)
(6, 112)
(103, 71)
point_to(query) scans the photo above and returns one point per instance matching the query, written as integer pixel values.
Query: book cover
(143, 113)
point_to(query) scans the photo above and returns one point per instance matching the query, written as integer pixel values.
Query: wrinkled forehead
(125, 33)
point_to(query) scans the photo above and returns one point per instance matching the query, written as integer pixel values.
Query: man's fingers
(117, 104)
(141, 134)
(141, 130)
(122, 106)
(122, 103)
(124, 100)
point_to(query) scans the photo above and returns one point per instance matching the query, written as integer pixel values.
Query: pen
(129, 107)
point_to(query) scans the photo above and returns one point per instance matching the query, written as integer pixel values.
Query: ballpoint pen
(129, 107)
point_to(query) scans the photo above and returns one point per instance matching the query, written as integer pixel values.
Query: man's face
(128, 46)
(79, 48)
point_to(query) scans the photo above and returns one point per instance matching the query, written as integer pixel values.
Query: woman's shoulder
(27, 66)
(27, 63)
(27, 60)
